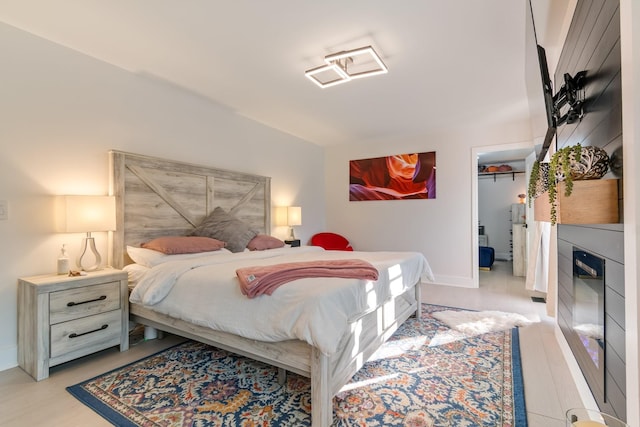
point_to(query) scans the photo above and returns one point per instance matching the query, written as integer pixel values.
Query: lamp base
(89, 261)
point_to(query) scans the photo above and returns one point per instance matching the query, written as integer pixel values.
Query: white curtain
(540, 272)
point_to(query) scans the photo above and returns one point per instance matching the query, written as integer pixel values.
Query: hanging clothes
(539, 266)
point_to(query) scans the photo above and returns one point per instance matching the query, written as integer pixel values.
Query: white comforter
(205, 291)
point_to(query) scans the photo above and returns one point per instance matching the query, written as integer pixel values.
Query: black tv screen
(547, 87)
(547, 90)
(539, 88)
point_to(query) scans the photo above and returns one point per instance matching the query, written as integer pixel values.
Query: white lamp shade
(82, 214)
(281, 216)
(294, 215)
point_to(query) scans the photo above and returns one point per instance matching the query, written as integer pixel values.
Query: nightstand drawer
(84, 301)
(61, 318)
(87, 334)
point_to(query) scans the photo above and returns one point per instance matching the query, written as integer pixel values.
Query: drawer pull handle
(74, 335)
(100, 298)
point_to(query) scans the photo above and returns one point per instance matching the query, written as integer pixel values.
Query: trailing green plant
(560, 170)
(533, 181)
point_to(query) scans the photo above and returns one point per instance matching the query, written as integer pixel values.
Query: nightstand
(61, 318)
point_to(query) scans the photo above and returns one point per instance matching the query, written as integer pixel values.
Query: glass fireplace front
(588, 317)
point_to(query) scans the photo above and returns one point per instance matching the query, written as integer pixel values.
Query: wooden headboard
(157, 197)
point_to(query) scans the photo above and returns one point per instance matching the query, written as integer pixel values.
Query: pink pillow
(262, 242)
(183, 244)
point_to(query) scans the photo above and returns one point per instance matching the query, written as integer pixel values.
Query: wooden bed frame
(157, 197)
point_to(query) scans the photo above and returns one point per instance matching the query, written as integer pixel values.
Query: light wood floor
(549, 388)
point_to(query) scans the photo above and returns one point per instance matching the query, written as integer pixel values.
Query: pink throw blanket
(255, 281)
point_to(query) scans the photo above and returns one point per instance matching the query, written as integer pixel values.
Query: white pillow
(150, 258)
(135, 272)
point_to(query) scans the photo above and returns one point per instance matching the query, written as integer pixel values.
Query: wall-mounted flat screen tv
(539, 87)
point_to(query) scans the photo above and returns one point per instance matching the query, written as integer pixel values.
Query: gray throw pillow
(226, 227)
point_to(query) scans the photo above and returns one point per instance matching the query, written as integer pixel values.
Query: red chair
(331, 241)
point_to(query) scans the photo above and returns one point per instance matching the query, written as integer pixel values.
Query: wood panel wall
(593, 45)
(607, 242)
(160, 197)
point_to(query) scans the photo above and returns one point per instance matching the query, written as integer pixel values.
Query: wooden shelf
(494, 174)
(591, 202)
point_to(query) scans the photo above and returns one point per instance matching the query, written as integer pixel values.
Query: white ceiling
(452, 63)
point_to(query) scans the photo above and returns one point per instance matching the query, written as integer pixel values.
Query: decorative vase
(542, 181)
(592, 164)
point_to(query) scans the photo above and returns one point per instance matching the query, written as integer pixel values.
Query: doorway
(495, 199)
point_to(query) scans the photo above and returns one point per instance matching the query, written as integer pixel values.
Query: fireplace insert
(588, 340)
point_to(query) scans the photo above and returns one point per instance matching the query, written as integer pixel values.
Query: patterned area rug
(426, 375)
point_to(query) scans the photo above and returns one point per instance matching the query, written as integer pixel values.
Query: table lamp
(85, 214)
(294, 218)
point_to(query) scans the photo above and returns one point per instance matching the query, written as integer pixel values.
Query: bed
(157, 197)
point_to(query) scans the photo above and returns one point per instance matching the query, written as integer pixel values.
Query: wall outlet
(4, 210)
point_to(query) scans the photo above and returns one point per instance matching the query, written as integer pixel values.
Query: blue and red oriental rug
(426, 375)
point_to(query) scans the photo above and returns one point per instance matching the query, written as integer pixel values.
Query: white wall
(60, 113)
(442, 229)
(494, 209)
(630, 55)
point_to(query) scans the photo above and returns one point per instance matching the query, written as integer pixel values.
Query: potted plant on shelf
(568, 164)
(575, 163)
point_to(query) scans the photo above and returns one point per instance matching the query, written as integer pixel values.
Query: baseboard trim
(460, 282)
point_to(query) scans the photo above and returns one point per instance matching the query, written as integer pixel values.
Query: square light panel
(344, 66)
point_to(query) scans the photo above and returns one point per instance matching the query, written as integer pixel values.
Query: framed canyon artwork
(397, 177)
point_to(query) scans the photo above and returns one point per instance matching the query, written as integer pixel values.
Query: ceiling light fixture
(345, 66)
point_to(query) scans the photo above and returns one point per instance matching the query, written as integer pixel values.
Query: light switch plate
(4, 210)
